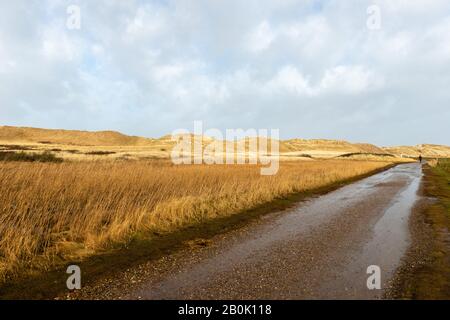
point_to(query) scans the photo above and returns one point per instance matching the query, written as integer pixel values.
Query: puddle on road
(389, 242)
(391, 233)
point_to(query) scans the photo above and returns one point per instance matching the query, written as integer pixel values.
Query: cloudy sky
(312, 68)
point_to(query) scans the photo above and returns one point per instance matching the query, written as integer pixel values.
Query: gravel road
(320, 249)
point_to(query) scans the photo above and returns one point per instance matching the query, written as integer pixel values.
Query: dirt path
(318, 250)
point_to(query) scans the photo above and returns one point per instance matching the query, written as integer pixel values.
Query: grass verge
(426, 272)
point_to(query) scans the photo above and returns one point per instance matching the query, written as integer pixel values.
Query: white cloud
(56, 45)
(150, 67)
(337, 80)
(148, 21)
(311, 35)
(349, 79)
(290, 79)
(260, 38)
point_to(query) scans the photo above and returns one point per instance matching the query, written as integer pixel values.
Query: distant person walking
(420, 158)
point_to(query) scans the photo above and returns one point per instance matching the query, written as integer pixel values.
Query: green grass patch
(432, 279)
(347, 155)
(99, 153)
(29, 157)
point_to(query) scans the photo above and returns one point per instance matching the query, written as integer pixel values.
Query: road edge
(425, 270)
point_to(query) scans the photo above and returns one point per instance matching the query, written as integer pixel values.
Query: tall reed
(50, 210)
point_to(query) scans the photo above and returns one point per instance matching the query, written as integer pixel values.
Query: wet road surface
(320, 249)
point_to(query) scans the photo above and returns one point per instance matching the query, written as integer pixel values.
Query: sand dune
(292, 148)
(426, 150)
(69, 137)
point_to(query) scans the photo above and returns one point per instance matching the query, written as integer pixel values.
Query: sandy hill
(292, 148)
(69, 137)
(333, 146)
(113, 138)
(426, 150)
(167, 139)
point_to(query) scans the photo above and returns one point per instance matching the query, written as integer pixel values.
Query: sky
(365, 71)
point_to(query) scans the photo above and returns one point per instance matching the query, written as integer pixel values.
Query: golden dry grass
(74, 209)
